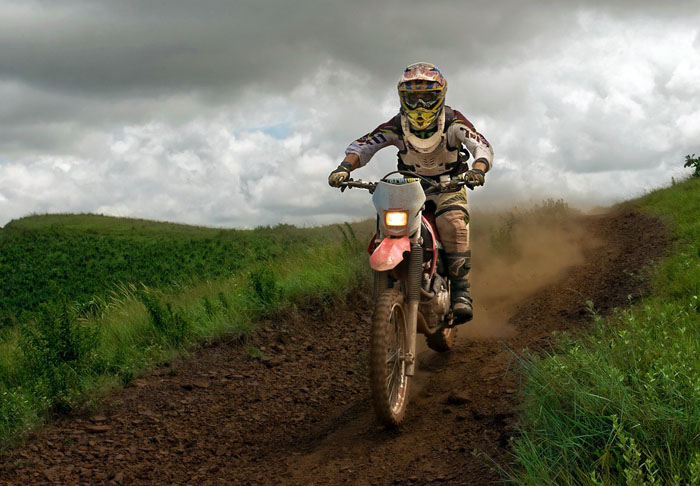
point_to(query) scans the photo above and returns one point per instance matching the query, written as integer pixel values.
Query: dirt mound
(292, 405)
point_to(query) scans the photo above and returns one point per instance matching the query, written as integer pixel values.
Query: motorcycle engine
(441, 304)
(438, 305)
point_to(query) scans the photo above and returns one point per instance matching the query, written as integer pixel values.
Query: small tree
(693, 162)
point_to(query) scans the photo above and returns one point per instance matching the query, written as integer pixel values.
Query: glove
(475, 177)
(340, 175)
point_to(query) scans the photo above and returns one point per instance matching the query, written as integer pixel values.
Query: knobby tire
(389, 403)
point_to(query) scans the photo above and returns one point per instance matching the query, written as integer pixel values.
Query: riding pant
(452, 219)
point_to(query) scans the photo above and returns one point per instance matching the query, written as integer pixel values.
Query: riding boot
(458, 265)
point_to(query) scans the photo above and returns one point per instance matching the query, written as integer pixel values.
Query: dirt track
(303, 417)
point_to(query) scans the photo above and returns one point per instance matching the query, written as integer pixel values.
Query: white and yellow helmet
(422, 90)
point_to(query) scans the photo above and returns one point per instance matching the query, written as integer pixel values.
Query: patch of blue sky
(278, 130)
(281, 130)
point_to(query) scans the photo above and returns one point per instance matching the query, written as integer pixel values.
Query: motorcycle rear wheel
(388, 347)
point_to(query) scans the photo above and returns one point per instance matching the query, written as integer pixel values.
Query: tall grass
(621, 405)
(68, 353)
(502, 228)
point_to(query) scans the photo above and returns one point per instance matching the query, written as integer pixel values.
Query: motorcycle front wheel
(388, 348)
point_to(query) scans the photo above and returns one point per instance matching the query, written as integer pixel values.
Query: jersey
(438, 155)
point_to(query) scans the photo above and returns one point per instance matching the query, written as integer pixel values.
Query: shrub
(265, 290)
(57, 351)
(168, 323)
(693, 162)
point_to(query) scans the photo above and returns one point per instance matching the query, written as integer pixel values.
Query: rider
(429, 136)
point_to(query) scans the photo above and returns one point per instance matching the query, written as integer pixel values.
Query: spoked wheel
(443, 339)
(388, 348)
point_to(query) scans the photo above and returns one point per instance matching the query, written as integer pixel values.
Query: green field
(78, 257)
(89, 302)
(621, 405)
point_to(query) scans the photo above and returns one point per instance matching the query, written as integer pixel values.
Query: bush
(266, 292)
(57, 353)
(169, 323)
(694, 163)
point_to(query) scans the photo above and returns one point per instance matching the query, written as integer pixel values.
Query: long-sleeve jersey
(444, 158)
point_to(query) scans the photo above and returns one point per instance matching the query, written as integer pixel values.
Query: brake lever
(345, 186)
(467, 183)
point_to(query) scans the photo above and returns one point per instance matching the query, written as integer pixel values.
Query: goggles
(425, 99)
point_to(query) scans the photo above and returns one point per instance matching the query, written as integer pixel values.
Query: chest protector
(430, 156)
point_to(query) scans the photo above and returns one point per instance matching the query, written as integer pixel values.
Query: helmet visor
(425, 99)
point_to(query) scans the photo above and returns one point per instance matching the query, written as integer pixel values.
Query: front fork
(413, 285)
(415, 275)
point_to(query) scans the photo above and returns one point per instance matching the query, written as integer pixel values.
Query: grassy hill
(88, 302)
(621, 405)
(78, 257)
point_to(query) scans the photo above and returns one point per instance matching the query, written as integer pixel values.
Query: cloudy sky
(232, 113)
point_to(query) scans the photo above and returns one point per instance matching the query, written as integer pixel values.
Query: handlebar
(453, 185)
(435, 188)
(370, 186)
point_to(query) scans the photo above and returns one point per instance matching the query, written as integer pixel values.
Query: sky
(232, 113)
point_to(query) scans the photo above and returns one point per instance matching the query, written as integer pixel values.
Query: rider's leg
(459, 265)
(453, 226)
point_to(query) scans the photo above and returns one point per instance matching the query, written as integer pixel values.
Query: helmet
(422, 91)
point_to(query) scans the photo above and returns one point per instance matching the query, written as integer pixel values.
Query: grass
(621, 405)
(81, 257)
(502, 228)
(71, 347)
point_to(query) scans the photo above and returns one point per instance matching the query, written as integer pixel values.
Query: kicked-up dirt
(301, 415)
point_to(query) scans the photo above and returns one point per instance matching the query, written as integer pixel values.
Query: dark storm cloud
(132, 46)
(218, 112)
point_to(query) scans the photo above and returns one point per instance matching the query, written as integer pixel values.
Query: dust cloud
(516, 254)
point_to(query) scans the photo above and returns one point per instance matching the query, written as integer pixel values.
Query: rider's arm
(463, 131)
(363, 149)
(481, 165)
(353, 160)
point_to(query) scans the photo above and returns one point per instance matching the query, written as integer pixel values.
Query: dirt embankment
(303, 416)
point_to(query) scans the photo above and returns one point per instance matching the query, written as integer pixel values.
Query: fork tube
(415, 274)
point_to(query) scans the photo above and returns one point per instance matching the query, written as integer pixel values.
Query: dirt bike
(411, 288)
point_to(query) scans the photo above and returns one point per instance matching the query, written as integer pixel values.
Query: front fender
(389, 253)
